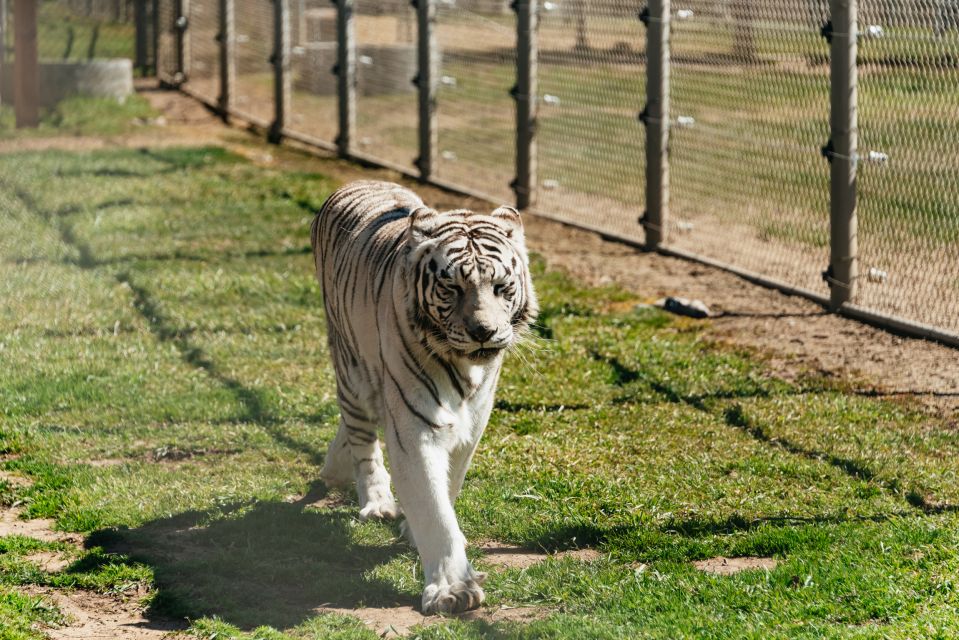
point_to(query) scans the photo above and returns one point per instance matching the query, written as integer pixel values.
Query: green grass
(63, 34)
(82, 115)
(167, 388)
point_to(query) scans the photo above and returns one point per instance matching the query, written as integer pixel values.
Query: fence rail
(810, 145)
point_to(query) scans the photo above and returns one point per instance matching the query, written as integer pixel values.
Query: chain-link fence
(909, 169)
(474, 111)
(750, 114)
(780, 117)
(591, 88)
(76, 31)
(72, 47)
(313, 107)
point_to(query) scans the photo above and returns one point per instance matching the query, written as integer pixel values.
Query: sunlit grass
(167, 389)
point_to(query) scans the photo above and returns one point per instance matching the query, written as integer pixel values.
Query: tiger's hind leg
(372, 479)
(338, 466)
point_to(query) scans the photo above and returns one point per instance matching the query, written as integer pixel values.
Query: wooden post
(26, 90)
(3, 47)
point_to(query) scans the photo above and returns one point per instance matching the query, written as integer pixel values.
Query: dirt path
(90, 615)
(87, 614)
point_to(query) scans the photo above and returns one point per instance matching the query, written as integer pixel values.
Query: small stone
(684, 307)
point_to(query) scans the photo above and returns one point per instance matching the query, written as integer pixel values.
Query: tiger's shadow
(253, 564)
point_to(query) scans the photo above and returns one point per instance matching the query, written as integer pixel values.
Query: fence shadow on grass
(252, 564)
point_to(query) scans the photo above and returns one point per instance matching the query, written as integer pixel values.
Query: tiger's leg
(459, 464)
(462, 457)
(421, 467)
(338, 466)
(372, 479)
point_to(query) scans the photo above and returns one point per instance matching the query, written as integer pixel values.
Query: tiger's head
(473, 296)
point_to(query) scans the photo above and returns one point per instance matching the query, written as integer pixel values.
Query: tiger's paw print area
(167, 404)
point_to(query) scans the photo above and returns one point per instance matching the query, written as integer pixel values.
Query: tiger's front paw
(462, 595)
(377, 502)
(383, 509)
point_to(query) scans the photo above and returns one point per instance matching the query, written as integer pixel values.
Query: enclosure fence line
(722, 131)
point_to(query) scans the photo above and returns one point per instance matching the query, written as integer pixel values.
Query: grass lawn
(166, 387)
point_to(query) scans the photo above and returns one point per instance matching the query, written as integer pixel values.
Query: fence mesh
(750, 114)
(475, 115)
(202, 69)
(750, 85)
(386, 99)
(591, 90)
(166, 43)
(253, 97)
(313, 106)
(909, 160)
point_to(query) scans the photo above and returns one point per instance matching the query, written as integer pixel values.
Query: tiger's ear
(423, 222)
(511, 216)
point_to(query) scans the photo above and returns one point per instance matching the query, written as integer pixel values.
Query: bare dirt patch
(41, 528)
(513, 557)
(49, 561)
(87, 614)
(392, 622)
(721, 566)
(95, 615)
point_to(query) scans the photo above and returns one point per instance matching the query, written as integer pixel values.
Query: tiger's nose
(481, 333)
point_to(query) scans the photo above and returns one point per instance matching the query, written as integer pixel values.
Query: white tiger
(420, 306)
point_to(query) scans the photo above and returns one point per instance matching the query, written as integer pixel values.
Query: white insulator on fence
(550, 99)
(449, 81)
(684, 14)
(874, 31)
(877, 157)
(685, 122)
(683, 225)
(365, 60)
(877, 276)
(550, 6)
(298, 51)
(448, 155)
(550, 184)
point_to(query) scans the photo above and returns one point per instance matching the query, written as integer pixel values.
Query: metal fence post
(141, 44)
(155, 39)
(841, 152)
(227, 41)
(426, 79)
(281, 68)
(182, 10)
(345, 70)
(526, 94)
(656, 118)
